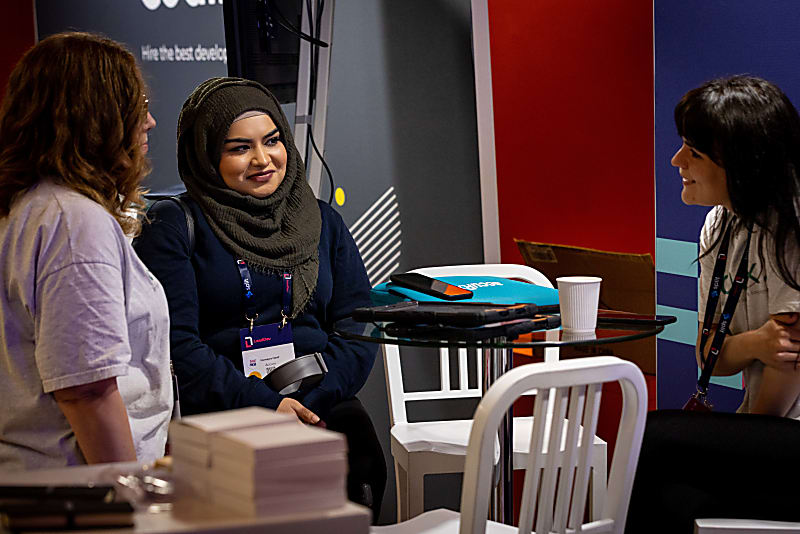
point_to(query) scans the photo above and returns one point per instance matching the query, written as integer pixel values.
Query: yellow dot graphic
(339, 196)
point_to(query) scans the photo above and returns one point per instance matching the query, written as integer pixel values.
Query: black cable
(315, 29)
(324, 164)
(287, 24)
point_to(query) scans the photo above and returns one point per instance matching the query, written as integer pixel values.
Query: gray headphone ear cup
(300, 373)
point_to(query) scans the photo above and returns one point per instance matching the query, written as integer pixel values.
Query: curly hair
(750, 128)
(73, 112)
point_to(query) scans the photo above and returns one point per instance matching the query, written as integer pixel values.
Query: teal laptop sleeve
(489, 289)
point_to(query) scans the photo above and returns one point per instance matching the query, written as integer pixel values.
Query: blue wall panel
(694, 42)
(677, 376)
(677, 291)
(676, 373)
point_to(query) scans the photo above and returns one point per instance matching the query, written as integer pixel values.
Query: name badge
(265, 347)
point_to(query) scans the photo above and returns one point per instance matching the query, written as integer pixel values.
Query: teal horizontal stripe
(676, 257)
(733, 381)
(684, 330)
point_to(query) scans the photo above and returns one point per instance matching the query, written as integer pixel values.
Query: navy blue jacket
(206, 312)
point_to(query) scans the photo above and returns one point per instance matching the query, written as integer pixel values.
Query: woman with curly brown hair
(84, 349)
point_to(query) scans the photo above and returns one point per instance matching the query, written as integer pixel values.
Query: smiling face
(253, 160)
(704, 182)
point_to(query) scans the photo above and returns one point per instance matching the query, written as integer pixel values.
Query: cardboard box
(628, 284)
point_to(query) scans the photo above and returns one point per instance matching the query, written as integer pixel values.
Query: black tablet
(508, 329)
(446, 314)
(623, 317)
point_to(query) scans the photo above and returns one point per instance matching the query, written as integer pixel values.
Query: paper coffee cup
(573, 335)
(578, 298)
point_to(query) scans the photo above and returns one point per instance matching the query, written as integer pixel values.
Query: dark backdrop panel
(153, 35)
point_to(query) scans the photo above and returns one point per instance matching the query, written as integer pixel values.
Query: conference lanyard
(250, 313)
(739, 284)
(265, 347)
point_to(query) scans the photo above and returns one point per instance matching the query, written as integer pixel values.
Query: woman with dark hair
(741, 156)
(267, 262)
(84, 361)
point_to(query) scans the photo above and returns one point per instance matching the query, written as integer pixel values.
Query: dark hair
(73, 111)
(748, 126)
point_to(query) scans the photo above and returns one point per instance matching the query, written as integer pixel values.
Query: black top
(204, 292)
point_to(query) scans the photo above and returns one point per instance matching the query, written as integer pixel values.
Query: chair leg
(401, 479)
(598, 482)
(416, 491)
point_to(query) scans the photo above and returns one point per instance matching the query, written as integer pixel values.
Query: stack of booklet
(258, 462)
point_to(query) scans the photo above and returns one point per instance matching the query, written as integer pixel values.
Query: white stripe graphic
(390, 227)
(356, 225)
(381, 275)
(382, 259)
(391, 213)
(390, 257)
(377, 234)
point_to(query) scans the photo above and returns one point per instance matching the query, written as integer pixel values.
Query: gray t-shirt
(766, 294)
(77, 306)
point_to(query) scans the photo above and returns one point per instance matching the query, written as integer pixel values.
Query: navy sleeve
(349, 362)
(208, 381)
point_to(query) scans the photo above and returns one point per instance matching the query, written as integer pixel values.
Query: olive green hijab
(276, 234)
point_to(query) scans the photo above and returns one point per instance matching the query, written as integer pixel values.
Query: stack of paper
(258, 462)
(190, 438)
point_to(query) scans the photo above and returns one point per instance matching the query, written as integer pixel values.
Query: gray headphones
(303, 372)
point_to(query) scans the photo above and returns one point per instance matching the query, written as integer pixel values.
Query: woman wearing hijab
(268, 261)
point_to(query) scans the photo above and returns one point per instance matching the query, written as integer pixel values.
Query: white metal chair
(744, 526)
(437, 447)
(556, 486)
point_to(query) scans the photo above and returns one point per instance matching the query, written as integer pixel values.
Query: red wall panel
(18, 34)
(573, 107)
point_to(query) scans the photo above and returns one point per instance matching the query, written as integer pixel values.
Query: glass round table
(497, 359)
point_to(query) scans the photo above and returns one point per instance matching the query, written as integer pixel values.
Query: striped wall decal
(676, 257)
(685, 330)
(734, 381)
(378, 237)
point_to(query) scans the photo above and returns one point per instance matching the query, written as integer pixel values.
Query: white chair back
(398, 396)
(556, 485)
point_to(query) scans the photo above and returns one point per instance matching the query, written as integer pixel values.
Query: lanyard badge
(699, 400)
(264, 347)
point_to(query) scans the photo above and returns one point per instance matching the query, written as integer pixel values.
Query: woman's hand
(302, 413)
(779, 344)
(780, 381)
(776, 344)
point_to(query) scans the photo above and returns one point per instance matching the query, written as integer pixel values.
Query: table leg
(496, 362)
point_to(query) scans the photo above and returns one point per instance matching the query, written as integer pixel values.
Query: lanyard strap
(739, 283)
(250, 312)
(287, 298)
